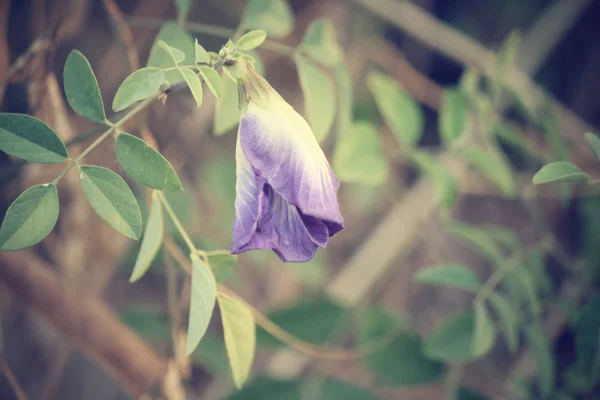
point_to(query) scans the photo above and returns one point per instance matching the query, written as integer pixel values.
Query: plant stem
(177, 223)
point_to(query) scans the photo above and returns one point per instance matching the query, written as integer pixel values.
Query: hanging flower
(286, 193)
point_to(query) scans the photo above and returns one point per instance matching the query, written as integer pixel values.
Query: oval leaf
(30, 218)
(453, 115)
(227, 112)
(32, 140)
(453, 340)
(212, 79)
(112, 199)
(176, 55)
(251, 40)
(594, 143)
(140, 85)
(274, 16)
(240, 337)
(151, 242)
(542, 351)
(200, 53)
(202, 302)
(478, 239)
(144, 164)
(81, 88)
(222, 264)
(508, 319)
(320, 42)
(444, 185)
(494, 166)
(319, 97)
(560, 171)
(484, 335)
(173, 35)
(194, 84)
(455, 276)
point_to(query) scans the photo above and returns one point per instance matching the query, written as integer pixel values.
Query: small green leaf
(446, 191)
(358, 156)
(508, 319)
(519, 284)
(173, 35)
(452, 341)
(144, 164)
(456, 276)
(30, 218)
(212, 79)
(274, 16)
(508, 135)
(319, 97)
(251, 40)
(454, 111)
(32, 140)
(194, 83)
(493, 165)
(151, 242)
(176, 55)
(227, 112)
(201, 54)
(484, 334)
(587, 343)
(399, 111)
(240, 337)
(594, 143)
(253, 58)
(202, 302)
(112, 199)
(478, 239)
(560, 171)
(542, 351)
(222, 264)
(140, 85)
(334, 389)
(320, 42)
(81, 88)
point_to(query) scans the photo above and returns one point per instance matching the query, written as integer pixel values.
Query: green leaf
(399, 111)
(176, 55)
(494, 166)
(201, 55)
(503, 237)
(112, 199)
(358, 156)
(454, 111)
(274, 16)
(183, 6)
(452, 341)
(222, 264)
(560, 171)
(446, 191)
(594, 143)
(320, 42)
(227, 112)
(477, 239)
(144, 164)
(140, 85)
(321, 312)
(30, 218)
(174, 36)
(254, 59)
(146, 321)
(587, 334)
(32, 140)
(334, 389)
(264, 388)
(194, 83)
(81, 88)
(542, 352)
(212, 79)
(151, 242)
(319, 97)
(506, 55)
(484, 334)
(468, 394)
(401, 362)
(345, 98)
(508, 320)
(212, 355)
(240, 337)
(456, 276)
(251, 40)
(519, 283)
(508, 135)
(202, 302)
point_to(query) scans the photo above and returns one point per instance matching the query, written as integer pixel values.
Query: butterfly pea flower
(286, 192)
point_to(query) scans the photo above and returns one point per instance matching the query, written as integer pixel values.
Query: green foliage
(227, 112)
(81, 88)
(542, 351)
(594, 143)
(358, 156)
(240, 337)
(151, 242)
(194, 84)
(172, 35)
(146, 321)
(399, 111)
(274, 16)
(446, 191)
(587, 344)
(144, 164)
(454, 111)
(456, 276)
(320, 42)
(183, 6)
(560, 171)
(494, 165)
(200, 54)
(484, 334)
(212, 354)
(202, 302)
(140, 85)
(319, 97)
(453, 340)
(478, 239)
(508, 318)
(468, 394)
(112, 199)
(343, 83)
(176, 55)
(251, 40)
(212, 80)
(32, 140)
(222, 264)
(334, 389)
(30, 218)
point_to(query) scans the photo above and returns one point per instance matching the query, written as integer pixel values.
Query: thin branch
(12, 380)
(122, 32)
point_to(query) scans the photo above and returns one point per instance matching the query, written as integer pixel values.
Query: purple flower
(286, 192)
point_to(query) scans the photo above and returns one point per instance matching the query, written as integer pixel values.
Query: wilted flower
(286, 192)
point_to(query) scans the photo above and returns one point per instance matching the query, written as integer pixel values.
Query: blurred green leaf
(504, 238)
(274, 16)
(140, 85)
(144, 164)
(560, 171)
(30, 218)
(551, 130)
(484, 334)
(468, 394)
(494, 165)
(587, 339)
(176, 55)
(509, 319)
(399, 111)
(194, 84)
(343, 83)
(334, 389)
(358, 156)
(536, 265)
(320, 42)
(151, 241)
(211, 353)
(201, 55)
(183, 6)
(477, 239)
(319, 97)
(212, 80)
(263, 388)
(542, 351)
(456, 276)
(112, 199)
(521, 287)
(452, 341)
(174, 36)
(81, 88)
(446, 192)
(202, 303)
(227, 112)
(31, 139)
(594, 143)
(514, 139)
(254, 59)
(454, 111)
(506, 58)
(146, 321)
(251, 40)
(221, 264)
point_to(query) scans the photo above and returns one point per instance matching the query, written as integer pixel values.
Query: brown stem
(12, 381)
